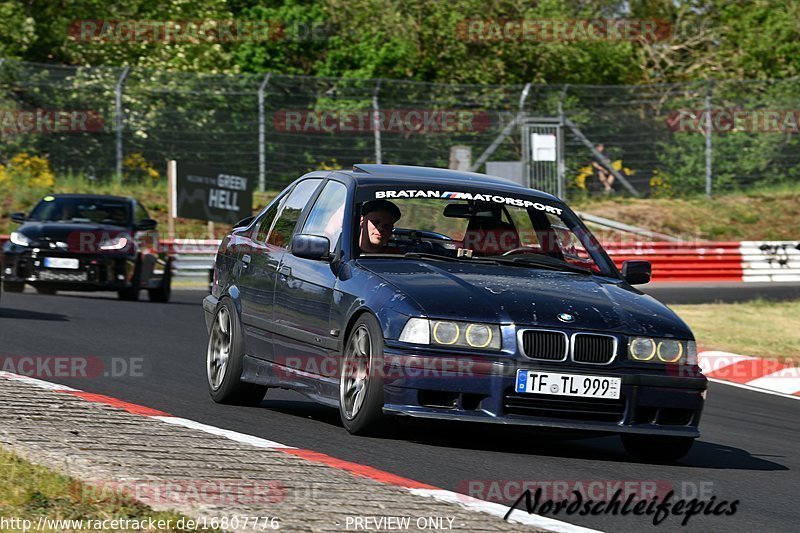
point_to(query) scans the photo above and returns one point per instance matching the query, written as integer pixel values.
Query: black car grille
(597, 349)
(564, 407)
(548, 345)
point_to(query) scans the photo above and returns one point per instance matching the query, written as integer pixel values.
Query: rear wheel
(13, 286)
(657, 448)
(361, 381)
(224, 360)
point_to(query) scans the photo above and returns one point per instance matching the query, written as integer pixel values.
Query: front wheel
(164, 290)
(224, 360)
(361, 382)
(657, 448)
(13, 286)
(47, 291)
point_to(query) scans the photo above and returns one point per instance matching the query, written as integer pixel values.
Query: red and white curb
(415, 487)
(755, 373)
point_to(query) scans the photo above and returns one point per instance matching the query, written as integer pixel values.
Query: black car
(86, 242)
(429, 293)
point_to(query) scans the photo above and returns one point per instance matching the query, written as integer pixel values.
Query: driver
(377, 223)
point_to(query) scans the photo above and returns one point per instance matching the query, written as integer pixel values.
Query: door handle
(245, 261)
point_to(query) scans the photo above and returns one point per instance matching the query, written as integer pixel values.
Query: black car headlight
(20, 239)
(652, 350)
(451, 333)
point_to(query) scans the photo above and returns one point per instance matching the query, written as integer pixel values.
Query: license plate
(61, 262)
(538, 382)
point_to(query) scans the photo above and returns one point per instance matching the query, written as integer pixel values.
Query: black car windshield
(92, 210)
(526, 232)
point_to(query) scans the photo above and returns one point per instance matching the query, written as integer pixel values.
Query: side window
(265, 223)
(327, 215)
(141, 214)
(290, 211)
(522, 221)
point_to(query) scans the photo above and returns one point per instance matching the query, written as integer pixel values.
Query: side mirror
(637, 272)
(146, 224)
(244, 222)
(19, 218)
(311, 247)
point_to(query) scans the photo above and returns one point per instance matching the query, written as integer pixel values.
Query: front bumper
(94, 272)
(469, 389)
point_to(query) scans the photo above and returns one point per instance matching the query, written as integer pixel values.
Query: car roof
(406, 175)
(93, 196)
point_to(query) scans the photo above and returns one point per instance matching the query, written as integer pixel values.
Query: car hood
(78, 237)
(527, 296)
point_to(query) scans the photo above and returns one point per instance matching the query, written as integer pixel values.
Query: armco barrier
(770, 261)
(750, 261)
(695, 261)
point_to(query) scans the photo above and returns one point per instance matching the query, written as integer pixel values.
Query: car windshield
(93, 210)
(530, 233)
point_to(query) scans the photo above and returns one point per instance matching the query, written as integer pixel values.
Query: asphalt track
(748, 450)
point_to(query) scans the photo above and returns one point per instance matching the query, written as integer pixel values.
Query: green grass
(761, 213)
(758, 328)
(28, 491)
(764, 213)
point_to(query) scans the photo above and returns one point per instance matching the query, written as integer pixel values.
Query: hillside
(772, 214)
(758, 215)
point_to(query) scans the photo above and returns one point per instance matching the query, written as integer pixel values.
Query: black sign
(204, 194)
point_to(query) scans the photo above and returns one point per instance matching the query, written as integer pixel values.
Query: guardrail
(697, 261)
(749, 261)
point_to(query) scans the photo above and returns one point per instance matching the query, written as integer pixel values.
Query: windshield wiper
(537, 260)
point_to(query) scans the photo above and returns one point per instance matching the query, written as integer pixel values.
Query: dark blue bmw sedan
(420, 292)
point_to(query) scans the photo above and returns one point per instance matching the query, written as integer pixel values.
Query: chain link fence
(666, 140)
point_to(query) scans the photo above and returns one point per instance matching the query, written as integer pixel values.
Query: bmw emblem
(566, 317)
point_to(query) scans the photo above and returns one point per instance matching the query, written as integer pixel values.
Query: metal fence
(666, 140)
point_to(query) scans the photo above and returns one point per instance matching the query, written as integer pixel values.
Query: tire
(224, 357)
(48, 291)
(657, 448)
(131, 294)
(361, 380)
(164, 290)
(13, 286)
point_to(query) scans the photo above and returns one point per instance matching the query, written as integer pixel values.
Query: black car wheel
(224, 360)
(131, 294)
(48, 291)
(657, 448)
(164, 290)
(361, 382)
(13, 286)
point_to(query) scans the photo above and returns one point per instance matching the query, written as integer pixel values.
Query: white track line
(754, 389)
(518, 516)
(228, 434)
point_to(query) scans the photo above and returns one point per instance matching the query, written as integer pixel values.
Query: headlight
(451, 333)
(662, 350)
(19, 239)
(116, 243)
(642, 349)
